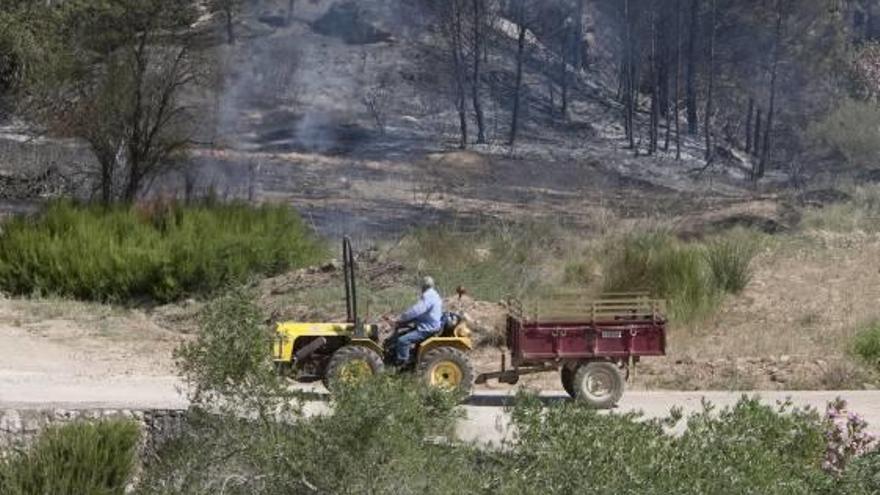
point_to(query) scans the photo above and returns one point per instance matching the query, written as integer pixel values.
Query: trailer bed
(615, 327)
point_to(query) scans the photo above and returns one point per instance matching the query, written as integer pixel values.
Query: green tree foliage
(114, 77)
(229, 363)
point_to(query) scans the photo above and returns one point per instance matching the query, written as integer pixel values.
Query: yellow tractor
(352, 350)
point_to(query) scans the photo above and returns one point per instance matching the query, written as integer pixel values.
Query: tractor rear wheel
(599, 384)
(448, 368)
(351, 364)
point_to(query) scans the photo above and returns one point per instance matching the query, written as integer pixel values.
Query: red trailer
(594, 344)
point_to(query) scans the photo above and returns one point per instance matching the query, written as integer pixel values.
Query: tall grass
(164, 253)
(80, 458)
(729, 261)
(667, 268)
(691, 276)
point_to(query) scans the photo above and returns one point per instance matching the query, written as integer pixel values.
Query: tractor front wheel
(599, 384)
(447, 368)
(351, 364)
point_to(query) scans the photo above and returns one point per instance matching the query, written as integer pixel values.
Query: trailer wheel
(599, 384)
(351, 364)
(567, 375)
(447, 367)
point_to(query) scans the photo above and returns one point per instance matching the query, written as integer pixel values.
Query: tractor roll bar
(350, 287)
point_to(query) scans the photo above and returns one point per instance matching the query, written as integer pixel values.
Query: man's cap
(427, 282)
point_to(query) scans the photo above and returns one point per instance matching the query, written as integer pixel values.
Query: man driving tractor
(426, 314)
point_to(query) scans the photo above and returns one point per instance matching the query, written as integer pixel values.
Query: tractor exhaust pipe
(309, 348)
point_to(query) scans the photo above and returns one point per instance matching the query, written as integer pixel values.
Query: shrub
(862, 212)
(229, 362)
(749, 448)
(381, 436)
(667, 268)
(729, 261)
(93, 458)
(846, 437)
(851, 128)
(862, 476)
(866, 344)
(166, 253)
(392, 435)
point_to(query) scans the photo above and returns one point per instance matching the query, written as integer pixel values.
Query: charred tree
(655, 87)
(711, 84)
(749, 114)
(757, 139)
(565, 53)
(691, 82)
(677, 98)
(628, 76)
(520, 59)
(577, 48)
(774, 72)
(458, 67)
(479, 21)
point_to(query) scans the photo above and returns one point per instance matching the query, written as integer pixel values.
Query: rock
(331, 266)
(785, 359)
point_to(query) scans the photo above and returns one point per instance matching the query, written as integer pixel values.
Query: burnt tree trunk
(458, 62)
(677, 98)
(479, 12)
(564, 55)
(691, 82)
(757, 136)
(711, 86)
(749, 114)
(628, 73)
(520, 55)
(230, 31)
(655, 87)
(577, 48)
(774, 71)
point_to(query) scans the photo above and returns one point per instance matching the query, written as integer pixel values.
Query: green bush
(730, 260)
(80, 458)
(866, 344)
(229, 362)
(392, 435)
(164, 253)
(749, 448)
(851, 128)
(667, 268)
(380, 437)
(862, 477)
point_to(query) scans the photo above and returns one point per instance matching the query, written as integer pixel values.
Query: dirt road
(486, 420)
